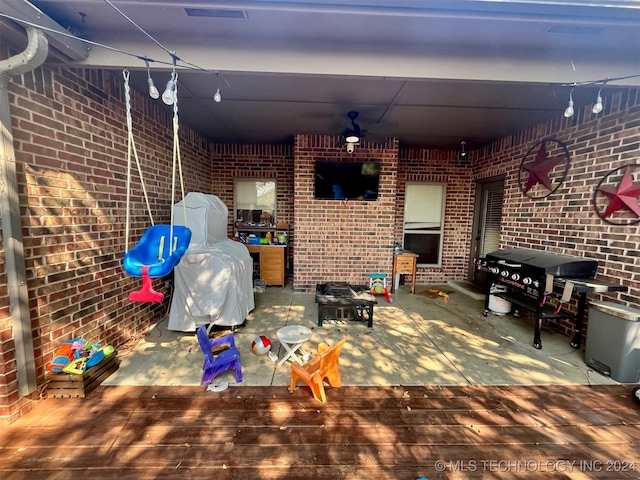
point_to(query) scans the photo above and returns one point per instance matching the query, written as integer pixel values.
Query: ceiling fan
(352, 136)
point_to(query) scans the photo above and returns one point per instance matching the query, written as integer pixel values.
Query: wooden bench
(313, 373)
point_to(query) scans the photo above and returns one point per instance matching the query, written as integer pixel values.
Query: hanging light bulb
(217, 97)
(153, 91)
(569, 111)
(597, 107)
(168, 96)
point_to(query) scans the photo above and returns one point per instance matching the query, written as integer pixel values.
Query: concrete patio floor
(419, 339)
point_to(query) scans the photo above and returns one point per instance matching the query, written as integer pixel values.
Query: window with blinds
(255, 201)
(423, 221)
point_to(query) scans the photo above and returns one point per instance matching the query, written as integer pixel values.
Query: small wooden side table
(404, 264)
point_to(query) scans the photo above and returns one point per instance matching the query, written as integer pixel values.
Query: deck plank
(385, 432)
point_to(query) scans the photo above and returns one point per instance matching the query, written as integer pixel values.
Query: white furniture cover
(213, 283)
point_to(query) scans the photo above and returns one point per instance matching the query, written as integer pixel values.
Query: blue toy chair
(154, 256)
(216, 364)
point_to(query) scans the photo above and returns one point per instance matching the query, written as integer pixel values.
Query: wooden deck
(376, 433)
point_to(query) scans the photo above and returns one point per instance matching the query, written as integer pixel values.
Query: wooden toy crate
(66, 385)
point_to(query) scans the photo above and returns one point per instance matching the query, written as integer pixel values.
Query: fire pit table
(333, 297)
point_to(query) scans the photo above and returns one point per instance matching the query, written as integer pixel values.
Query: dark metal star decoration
(542, 169)
(625, 195)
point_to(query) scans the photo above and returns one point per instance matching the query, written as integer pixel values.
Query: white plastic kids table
(291, 338)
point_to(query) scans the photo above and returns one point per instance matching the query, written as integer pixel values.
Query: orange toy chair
(313, 373)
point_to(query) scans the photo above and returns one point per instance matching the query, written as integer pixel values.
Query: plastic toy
(154, 257)
(99, 355)
(76, 367)
(444, 295)
(261, 345)
(85, 355)
(63, 356)
(161, 246)
(324, 366)
(378, 285)
(228, 359)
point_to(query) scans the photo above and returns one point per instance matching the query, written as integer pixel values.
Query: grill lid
(545, 262)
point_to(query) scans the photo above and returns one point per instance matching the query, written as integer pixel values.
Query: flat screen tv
(347, 180)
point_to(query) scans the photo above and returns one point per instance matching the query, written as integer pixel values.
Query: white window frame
(247, 195)
(420, 216)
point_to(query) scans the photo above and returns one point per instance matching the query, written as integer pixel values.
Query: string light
(184, 64)
(169, 95)
(153, 91)
(217, 97)
(597, 107)
(569, 110)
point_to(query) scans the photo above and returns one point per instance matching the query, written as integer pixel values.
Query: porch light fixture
(463, 150)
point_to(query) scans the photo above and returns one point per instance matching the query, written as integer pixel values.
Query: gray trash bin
(613, 341)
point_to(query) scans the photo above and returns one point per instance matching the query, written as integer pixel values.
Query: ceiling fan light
(351, 136)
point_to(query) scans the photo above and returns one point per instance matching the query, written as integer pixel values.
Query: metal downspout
(33, 56)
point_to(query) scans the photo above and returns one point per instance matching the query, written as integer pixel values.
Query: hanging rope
(176, 149)
(177, 161)
(131, 148)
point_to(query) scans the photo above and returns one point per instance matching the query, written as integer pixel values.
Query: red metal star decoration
(624, 196)
(540, 168)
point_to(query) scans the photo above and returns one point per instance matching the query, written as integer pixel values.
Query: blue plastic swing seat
(152, 251)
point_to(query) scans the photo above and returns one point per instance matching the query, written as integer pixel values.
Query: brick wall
(69, 129)
(566, 222)
(273, 162)
(441, 166)
(342, 240)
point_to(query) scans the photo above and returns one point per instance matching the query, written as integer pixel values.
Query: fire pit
(339, 300)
